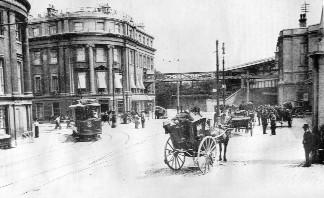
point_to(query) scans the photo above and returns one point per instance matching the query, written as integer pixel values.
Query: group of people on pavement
(266, 115)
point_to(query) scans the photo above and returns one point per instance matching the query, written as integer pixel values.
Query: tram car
(87, 122)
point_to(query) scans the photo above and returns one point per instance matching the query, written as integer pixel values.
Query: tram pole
(178, 96)
(217, 85)
(224, 86)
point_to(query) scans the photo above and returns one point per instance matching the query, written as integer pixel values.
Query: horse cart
(192, 136)
(283, 115)
(241, 120)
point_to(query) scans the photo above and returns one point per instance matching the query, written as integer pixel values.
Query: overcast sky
(186, 30)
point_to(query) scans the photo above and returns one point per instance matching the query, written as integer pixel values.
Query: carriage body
(242, 120)
(189, 138)
(284, 115)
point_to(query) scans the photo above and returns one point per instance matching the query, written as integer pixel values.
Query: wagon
(245, 123)
(191, 138)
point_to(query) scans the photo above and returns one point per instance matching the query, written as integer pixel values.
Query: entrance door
(3, 120)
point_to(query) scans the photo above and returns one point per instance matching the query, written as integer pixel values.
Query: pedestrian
(36, 125)
(113, 120)
(143, 119)
(136, 120)
(273, 123)
(58, 122)
(68, 121)
(264, 120)
(308, 144)
(156, 112)
(259, 113)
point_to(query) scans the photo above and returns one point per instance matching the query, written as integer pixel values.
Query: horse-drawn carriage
(283, 115)
(242, 120)
(192, 136)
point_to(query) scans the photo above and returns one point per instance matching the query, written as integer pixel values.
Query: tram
(87, 122)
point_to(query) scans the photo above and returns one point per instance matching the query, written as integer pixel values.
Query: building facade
(295, 67)
(90, 53)
(15, 71)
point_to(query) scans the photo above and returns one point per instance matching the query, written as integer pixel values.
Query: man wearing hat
(308, 144)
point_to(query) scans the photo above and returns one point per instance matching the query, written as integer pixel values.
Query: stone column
(13, 54)
(62, 73)
(26, 61)
(315, 93)
(92, 72)
(110, 61)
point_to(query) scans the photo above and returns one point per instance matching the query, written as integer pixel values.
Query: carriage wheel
(172, 157)
(206, 154)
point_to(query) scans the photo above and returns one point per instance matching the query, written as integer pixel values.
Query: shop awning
(132, 84)
(102, 80)
(118, 81)
(141, 82)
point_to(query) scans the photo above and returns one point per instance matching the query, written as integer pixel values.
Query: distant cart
(243, 122)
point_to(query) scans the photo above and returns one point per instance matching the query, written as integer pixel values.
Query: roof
(261, 61)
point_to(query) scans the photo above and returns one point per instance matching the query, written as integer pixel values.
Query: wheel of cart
(206, 155)
(173, 157)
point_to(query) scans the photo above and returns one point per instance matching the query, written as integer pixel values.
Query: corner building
(15, 71)
(92, 53)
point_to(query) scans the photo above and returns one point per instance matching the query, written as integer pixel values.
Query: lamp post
(217, 86)
(224, 86)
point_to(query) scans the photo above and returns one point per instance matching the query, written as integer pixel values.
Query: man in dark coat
(310, 144)
(273, 123)
(264, 120)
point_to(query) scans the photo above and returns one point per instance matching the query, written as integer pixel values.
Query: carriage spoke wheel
(172, 157)
(206, 154)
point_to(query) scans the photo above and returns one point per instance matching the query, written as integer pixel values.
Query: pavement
(128, 162)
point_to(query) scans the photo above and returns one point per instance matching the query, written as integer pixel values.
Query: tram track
(110, 155)
(58, 159)
(95, 163)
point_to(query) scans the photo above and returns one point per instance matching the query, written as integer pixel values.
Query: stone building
(92, 53)
(295, 68)
(15, 71)
(300, 55)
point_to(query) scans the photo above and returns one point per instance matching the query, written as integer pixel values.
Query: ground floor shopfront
(48, 108)
(15, 119)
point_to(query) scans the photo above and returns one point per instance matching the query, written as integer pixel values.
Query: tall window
(38, 84)
(1, 78)
(100, 26)
(39, 110)
(19, 69)
(152, 65)
(131, 33)
(35, 32)
(303, 54)
(82, 81)
(117, 55)
(131, 57)
(117, 28)
(1, 22)
(140, 38)
(144, 61)
(18, 31)
(54, 83)
(52, 29)
(101, 81)
(100, 55)
(80, 55)
(37, 58)
(78, 26)
(56, 109)
(53, 54)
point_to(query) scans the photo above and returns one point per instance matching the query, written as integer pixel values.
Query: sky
(185, 31)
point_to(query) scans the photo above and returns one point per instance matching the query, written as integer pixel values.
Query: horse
(222, 136)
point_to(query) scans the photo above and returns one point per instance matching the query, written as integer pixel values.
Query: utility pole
(224, 86)
(217, 85)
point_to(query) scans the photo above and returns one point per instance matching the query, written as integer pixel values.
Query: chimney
(302, 20)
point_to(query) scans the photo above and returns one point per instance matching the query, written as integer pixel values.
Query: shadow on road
(164, 172)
